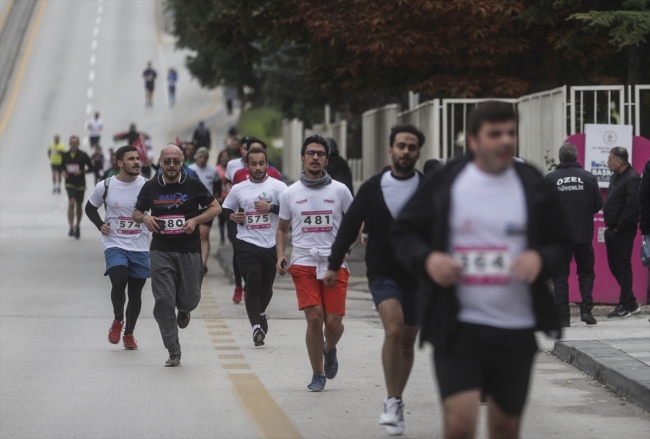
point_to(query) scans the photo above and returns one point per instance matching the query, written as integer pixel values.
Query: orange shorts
(311, 291)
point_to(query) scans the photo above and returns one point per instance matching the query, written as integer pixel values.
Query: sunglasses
(168, 162)
(320, 154)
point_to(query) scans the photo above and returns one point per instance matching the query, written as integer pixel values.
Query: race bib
(173, 224)
(316, 221)
(258, 220)
(71, 168)
(126, 226)
(484, 265)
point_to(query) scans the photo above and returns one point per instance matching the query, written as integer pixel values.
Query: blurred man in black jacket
(621, 214)
(581, 198)
(337, 167)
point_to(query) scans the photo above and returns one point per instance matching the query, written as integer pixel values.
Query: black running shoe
(183, 319)
(77, 233)
(71, 232)
(619, 311)
(331, 363)
(258, 337)
(264, 323)
(588, 318)
(173, 361)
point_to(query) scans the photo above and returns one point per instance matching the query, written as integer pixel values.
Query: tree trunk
(638, 65)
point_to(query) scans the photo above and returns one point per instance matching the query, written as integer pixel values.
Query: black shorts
(76, 195)
(94, 140)
(57, 168)
(497, 361)
(383, 288)
(149, 86)
(251, 257)
(208, 223)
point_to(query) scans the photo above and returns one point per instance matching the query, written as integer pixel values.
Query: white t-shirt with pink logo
(315, 215)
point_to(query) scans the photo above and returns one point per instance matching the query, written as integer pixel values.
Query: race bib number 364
(258, 220)
(484, 265)
(126, 226)
(173, 224)
(316, 221)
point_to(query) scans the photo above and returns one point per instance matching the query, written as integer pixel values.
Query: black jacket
(369, 207)
(423, 227)
(621, 209)
(580, 197)
(644, 200)
(337, 167)
(201, 138)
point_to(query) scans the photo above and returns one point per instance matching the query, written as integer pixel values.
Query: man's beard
(131, 172)
(401, 168)
(256, 179)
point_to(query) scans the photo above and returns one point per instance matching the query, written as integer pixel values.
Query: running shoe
(173, 361)
(129, 342)
(636, 309)
(331, 363)
(619, 311)
(237, 296)
(398, 429)
(258, 337)
(115, 332)
(77, 233)
(183, 319)
(390, 416)
(588, 318)
(71, 232)
(264, 323)
(318, 381)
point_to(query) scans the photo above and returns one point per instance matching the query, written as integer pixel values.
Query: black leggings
(120, 279)
(258, 266)
(222, 226)
(232, 236)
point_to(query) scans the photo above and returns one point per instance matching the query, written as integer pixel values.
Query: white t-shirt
(259, 227)
(488, 231)
(315, 215)
(233, 166)
(397, 191)
(207, 175)
(120, 201)
(95, 127)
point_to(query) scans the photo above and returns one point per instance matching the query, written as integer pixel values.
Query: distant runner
(55, 153)
(95, 126)
(149, 76)
(75, 165)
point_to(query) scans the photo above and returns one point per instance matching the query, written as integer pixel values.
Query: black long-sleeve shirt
(644, 200)
(621, 209)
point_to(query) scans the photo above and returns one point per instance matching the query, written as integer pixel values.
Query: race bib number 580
(484, 265)
(316, 221)
(173, 224)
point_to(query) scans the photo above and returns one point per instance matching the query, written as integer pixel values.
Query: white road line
(95, 31)
(100, 9)
(91, 76)
(98, 21)
(90, 92)
(93, 59)
(93, 45)
(89, 109)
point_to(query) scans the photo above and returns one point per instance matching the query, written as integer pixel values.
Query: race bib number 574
(126, 226)
(316, 221)
(484, 265)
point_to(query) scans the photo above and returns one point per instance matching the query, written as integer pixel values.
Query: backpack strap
(107, 182)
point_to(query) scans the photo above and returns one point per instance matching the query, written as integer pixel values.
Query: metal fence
(356, 168)
(596, 104)
(292, 136)
(376, 125)
(337, 131)
(426, 117)
(642, 111)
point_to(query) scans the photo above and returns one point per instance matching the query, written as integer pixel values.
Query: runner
(484, 232)
(243, 174)
(149, 76)
(258, 197)
(174, 200)
(75, 165)
(314, 206)
(172, 78)
(222, 162)
(94, 127)
(55, 153)
(210, 178)
(125, 242)
(393, 289)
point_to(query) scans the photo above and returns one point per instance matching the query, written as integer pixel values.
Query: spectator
(201, 136)
(337, 167)
(234, 147)
(97, 161)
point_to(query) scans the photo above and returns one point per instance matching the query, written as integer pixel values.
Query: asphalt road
(59, 376)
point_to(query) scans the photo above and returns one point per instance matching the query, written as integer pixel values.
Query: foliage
(266, 125)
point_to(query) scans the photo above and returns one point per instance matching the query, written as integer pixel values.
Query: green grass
(266, 125)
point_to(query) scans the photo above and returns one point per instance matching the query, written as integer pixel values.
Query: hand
(105, 229)
(443, 269)
(150, 222)
(77, 172)
(261, 205)
(527, 266)
(238, 217)
(330, 279)
(281, 261)
(364, 239)
(189, 226)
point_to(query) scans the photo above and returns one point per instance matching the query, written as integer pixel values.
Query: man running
(485, 233)
(378, 202)
(209, 176)
(149, 76)
(75, 165)
(94, 127)
(126, 244)
(55, 153)
(254, 206)
(314, 207)
(174, 199)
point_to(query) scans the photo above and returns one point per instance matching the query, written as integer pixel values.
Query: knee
(315, 321)
(457, 427)
(394, 332)
(333, 324)
(204, 232)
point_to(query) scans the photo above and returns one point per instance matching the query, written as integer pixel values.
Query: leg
(585, 260)
(135, 303)
(163, 285)
(57, 175)
(408, 354)
(268, 277)
(71, 203)
(334, 308)
(611, 254)
(461, 412)
(500, 424)
(390, 312)
(623, 245)
(253, 293)
(188, 295)
(333, 330)
(79, 212)
(119, 276)
(205, 242)
(315, 315)
(222, 227)
(232, 236)
(561, 286)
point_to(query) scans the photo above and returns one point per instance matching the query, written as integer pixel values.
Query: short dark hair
(247, 140)
(119, 154)
(490, 111)
(256, 150)
(621, 153)
(394, 131)
(255, 140)
(315, 139)
(568, 152)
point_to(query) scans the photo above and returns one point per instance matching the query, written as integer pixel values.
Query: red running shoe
(115, 332)
(129, 342)
(238, 295)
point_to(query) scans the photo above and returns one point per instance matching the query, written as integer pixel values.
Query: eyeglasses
(312, 153)
(168, 162)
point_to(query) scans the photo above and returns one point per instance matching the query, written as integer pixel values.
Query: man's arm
(630, 215)
(349, 230)
(209, 213)
(644, 200)
(281, 240)
(93, 215)
(598, 196)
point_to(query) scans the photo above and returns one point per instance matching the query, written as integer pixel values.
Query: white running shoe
(391, 413)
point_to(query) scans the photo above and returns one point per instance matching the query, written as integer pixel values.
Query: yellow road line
(220, 333)
(5, 14)
(20, 74)
(227, 348)
(223, 340)
(270, 420)
(232, 366)
(231, 356)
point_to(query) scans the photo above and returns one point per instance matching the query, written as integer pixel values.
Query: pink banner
(606, 289)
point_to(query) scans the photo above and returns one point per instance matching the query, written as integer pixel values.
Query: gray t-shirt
(398, 191)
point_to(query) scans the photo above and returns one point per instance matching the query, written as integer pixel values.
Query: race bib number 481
(316, 221)
(126, 226)
(173, 224)
(484, 265)
(258, 220)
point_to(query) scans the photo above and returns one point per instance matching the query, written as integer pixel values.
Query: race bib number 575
(316, 221)
(258, 220)
(484, 265)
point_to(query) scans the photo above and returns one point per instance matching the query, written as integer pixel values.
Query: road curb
(618, 371)
(12, 35)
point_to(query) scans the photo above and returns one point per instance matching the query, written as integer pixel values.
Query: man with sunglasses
(483, 234)
(173, 200)
(314, 207)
